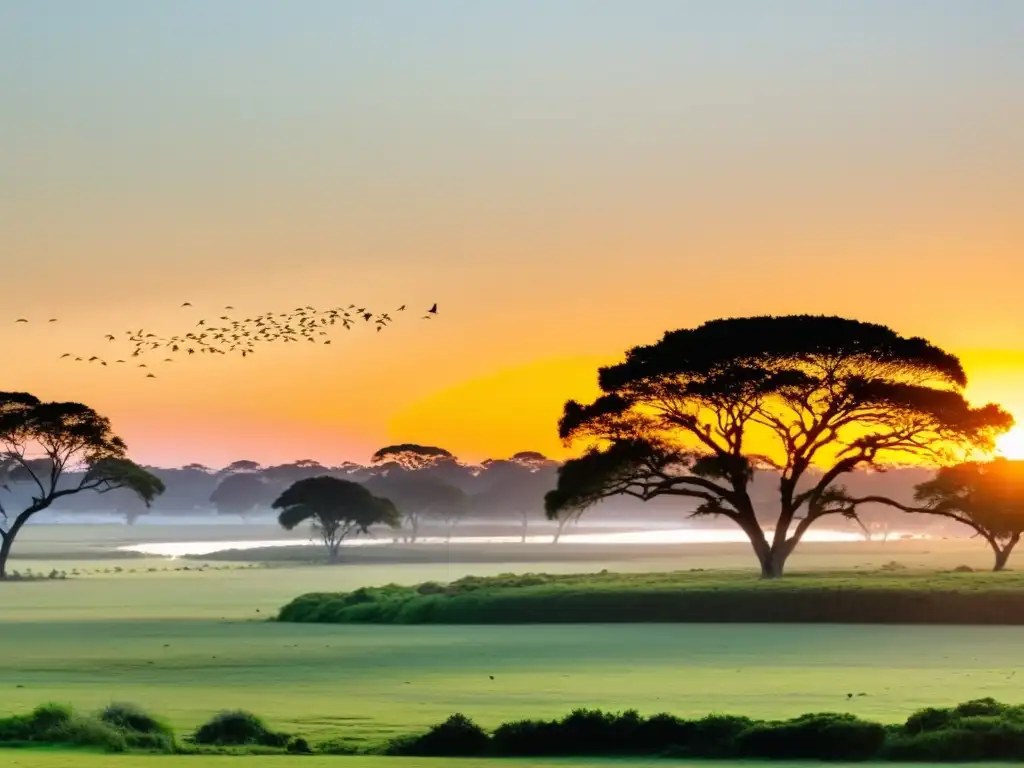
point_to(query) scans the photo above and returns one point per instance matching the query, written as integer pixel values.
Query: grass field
(50, 759)
(188, 643)
(47, 759)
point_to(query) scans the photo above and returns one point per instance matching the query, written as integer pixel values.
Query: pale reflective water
(669, 536)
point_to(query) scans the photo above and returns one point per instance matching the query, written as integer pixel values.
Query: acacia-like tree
(418, 497)
(240, 493)
(42, 442)
(242, 465)
(695, 414)
(516, 487)
(986, 496)
(336, 508)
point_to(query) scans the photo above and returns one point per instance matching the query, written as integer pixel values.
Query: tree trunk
(1003, 553)
(558, 531)
(772, 565)
(333, 549)
(5, 552)
(773, 559)
(8, 541)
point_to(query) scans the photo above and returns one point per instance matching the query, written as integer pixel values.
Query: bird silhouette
(242, 335)
(53, 320)
(21, 320)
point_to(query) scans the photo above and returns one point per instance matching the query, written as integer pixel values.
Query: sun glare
(1011, 445)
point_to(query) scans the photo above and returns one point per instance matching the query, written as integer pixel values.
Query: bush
(458, 736)
(824, 736)
(238, 729)
(889, 595)
(299, 746)
(140, 729)
(58, 724)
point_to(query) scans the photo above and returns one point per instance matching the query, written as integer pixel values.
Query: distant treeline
(510, 490)
(979, 730)
(694, 597)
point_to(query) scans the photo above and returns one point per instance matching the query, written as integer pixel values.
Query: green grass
(44, 758)
(100, 638)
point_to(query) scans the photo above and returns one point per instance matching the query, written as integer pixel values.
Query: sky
(566, 178)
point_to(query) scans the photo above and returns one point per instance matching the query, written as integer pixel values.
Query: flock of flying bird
(233, 335)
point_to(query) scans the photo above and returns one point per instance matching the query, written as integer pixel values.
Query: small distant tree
(423, 460)
(516, 487)
(410, 456)
(335, 508)
(695, 415)
(240, 493)
(419, 498)
(42, 442)
(242, 465)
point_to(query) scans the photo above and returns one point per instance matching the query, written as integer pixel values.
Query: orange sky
(564, 184)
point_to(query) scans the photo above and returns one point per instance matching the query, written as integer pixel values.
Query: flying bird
(150, 376)
(433, 309)
(186, 304)
(66, 354)
(53, 319)
(21, 320)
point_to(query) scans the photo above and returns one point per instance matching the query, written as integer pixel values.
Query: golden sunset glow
(561, 200)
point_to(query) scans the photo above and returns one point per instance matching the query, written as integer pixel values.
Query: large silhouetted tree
(336, 508)
(41, 441)
(696, 413)
(418, 497)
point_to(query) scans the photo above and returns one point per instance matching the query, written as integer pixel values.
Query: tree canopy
(417, 496)
(241, 492)
(695, 414)
(41, 442)
(986, 496)
(516, 487)
(336, 508)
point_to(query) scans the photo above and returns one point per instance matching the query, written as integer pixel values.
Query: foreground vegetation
(982, 729)
(883, 597)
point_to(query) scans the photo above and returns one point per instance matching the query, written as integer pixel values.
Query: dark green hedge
(681, 597)
(980, 730)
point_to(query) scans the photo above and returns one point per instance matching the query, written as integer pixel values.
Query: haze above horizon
(566, 179)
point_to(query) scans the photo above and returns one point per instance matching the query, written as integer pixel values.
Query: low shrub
(140, 729)
(458, 736)
(238, 729)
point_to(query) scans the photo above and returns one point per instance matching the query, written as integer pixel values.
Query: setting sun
(1011, 445)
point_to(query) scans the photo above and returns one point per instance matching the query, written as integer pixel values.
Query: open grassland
(58, 759)
(187, 643)
(63, 759)
(160, 640)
